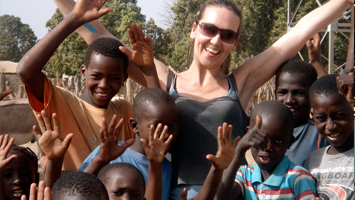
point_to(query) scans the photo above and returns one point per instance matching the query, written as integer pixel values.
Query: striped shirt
(288, 181)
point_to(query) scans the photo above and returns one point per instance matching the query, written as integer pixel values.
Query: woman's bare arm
(256, 71)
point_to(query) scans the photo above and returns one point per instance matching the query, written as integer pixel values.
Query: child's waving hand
(88, 10)
(109, 148)
(226, 148)
(142, 53)
(5, 146)
(50, 138)
(158, 144)
(44, 193)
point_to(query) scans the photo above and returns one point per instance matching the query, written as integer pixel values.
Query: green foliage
(16, 38)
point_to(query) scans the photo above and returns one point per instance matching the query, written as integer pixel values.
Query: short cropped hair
(104, 173)
(152, 96)
(107, 47)
(28, 152)
(276, 110)
(79, 184)
(297, 66)
(325, 85)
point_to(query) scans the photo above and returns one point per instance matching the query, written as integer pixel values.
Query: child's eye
(278, 141)
(281, 93)
(174, 126)
(136, 195)
(95, 76)
(118, 193)
(7, 175)
(116, 79)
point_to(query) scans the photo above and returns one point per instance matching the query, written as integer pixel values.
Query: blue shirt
(141, 162)
(307, 139)
(288, 181)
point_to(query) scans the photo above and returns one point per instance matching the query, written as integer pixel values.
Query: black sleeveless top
(198, 124)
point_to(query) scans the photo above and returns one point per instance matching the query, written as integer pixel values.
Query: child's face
(17, 176)
(166, 114)
(125, 183)
(293, 91)
(279, 141)
(334, 118)
(103, 77)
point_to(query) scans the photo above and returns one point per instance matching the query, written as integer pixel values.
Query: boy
(104, 71)
(333, 166)
(274, 176)
(293, 80)
(151, 106)
(79, 185)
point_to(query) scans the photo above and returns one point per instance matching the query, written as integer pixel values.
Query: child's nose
(17, 181)
(289, 98)
(103, 83)
(330, 125)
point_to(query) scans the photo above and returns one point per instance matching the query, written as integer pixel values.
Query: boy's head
(277, 123)
(104, 71)
(332, 113)
(78, 185)
(19, 174)
(293, 81)
(151, 107)
(122, 181)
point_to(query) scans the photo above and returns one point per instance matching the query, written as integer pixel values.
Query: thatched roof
(8, 67)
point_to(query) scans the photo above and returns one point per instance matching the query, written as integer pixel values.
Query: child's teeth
(102, 95)
(211, 50)
(292, 110)
(334, 135)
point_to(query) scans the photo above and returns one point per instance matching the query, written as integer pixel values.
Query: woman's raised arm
(256, 71)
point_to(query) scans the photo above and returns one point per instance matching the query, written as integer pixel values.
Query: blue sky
(35, 13)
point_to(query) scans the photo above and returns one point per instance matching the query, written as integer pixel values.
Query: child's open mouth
(334, 136)
(18, 193)
(265, 159)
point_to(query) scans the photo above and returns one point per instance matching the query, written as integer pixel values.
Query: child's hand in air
(158, 144)
(44, 193)
(5, 146)
(226, 148)
(50, 139)
(142, 54)
(345, 85)
(254, 138)
(109, 148)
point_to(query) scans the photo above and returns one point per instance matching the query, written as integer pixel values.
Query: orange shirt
(80, 118)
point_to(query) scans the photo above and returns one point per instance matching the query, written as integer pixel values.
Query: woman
(204, 95)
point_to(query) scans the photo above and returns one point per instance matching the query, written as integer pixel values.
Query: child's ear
(82, 72)
(134, 125)
(125, 78)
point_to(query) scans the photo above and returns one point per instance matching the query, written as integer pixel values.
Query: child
(333, 166)
(104, 72)
(122, 179)
(79, 185)
(274, 176)
(18, 169)
(150, 107)
(293, 81)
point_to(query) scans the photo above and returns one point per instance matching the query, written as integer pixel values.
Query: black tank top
(198, 124)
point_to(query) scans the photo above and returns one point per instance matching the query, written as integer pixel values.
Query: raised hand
(226, 148)
(5, 93)
(314, 49)
(88, 10)
(183, 195)
(5, 146)
(109, 149)
(345, 86)
(50, 138)
(142, 53)
(158, 144)
(44, 193)
(254, 138)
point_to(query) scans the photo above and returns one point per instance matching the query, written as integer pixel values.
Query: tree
(16, 38)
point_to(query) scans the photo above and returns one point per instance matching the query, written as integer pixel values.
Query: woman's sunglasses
(211, 30)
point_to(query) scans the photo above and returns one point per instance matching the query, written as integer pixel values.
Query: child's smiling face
(17, 176)
(334, 120)
(103, 77)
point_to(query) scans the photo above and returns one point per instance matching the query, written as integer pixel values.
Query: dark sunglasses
(211, 30)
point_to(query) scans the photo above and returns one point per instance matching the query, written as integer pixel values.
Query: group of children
(122, 149)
